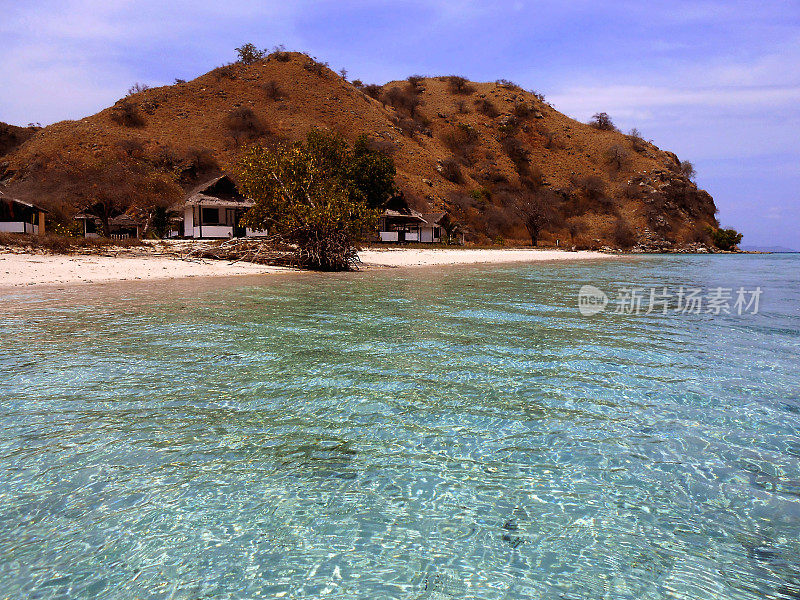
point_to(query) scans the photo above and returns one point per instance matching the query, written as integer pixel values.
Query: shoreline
(25, 270)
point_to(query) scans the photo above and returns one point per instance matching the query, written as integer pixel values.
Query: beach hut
(412, 226)
(121, 227)
(18, 216)
(214, 210)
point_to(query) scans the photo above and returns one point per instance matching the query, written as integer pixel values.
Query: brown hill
(12, 136)
(476, 150)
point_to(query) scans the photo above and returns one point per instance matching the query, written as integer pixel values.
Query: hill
(11, 137)
(479, 151)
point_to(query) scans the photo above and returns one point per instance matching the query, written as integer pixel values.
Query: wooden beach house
(121, 227)
(214, 210)
(412, 226)
(18, 216)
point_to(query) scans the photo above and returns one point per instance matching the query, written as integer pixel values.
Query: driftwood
(263, 251)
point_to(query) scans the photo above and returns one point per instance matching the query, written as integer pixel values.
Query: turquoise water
(436, 433)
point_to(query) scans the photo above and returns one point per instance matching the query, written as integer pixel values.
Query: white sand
(33, 269)
(398, 257)
(39, 269)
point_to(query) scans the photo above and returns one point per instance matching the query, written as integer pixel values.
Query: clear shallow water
(429, 433)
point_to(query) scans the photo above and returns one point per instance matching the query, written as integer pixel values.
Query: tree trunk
(534, 233)
(106, 225)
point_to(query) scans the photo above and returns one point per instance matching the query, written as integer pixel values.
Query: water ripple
(436, 433)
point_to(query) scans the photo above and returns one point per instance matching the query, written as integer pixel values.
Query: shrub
(409, 127)
(417, 82)
(494, 176)
(401, 100)
(137, 88)
(224, 72)
(509, 85)
(243, 123)
(497, 223)
(533, 178)
(603, 122)
(700, 235)
(508, 124)
(272, 90)
(179, 81)
(485, 107)
(637, 141)
(280, 54)
(519, 155)
(165, 158)
(132, 148)
(552, 141)
(202, 160)
(632, 191)
(593, 187)
(688, 170)
(575, 226)
(459, 85)
(319, 68)
(481, 195)
(539, 96)
(373, 91)
(248, 54)
(357, 83)
(617, 158)
(725, 239)
(127, 114)
(461, 107)
(386, 147)
(450, 170)
(623, 234)
(461, 140)
(522, 110)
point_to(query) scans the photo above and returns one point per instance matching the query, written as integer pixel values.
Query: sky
(718, 83)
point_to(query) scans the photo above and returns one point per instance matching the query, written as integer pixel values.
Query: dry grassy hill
(472, 149)
(11, 137)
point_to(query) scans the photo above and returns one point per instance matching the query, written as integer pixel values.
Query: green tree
(725, 239)
(321, 196)
(372, 173)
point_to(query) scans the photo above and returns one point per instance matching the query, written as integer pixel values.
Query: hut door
(238, 230)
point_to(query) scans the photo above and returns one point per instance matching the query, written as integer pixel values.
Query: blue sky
(716, 82)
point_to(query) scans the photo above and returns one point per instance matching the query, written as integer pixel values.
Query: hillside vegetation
(500, 160)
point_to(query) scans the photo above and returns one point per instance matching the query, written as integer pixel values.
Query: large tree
(537, 210)
(108, 188)
(322, 196)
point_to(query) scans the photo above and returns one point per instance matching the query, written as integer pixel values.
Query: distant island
(773, 249)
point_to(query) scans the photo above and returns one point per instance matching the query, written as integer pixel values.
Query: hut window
(6, 211)
(210, 216)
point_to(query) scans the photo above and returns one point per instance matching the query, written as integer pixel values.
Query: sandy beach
(18, 270)
(420, 257)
